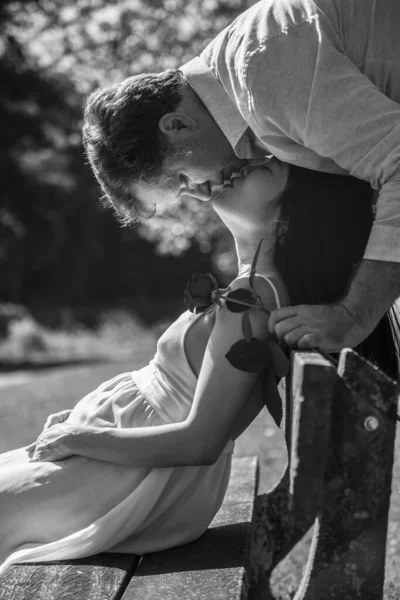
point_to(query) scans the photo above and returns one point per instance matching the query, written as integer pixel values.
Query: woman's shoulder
(269, 286)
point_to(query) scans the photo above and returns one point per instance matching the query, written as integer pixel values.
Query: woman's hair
(122, 139)
(323, 229)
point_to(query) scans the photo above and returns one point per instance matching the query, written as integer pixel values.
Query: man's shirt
(317, 84)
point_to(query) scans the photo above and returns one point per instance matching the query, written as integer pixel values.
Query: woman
(143, 460)
(180, 414)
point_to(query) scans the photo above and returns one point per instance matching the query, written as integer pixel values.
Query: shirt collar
(222, 108)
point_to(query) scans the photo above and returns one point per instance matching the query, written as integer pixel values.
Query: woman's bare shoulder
(269, 287)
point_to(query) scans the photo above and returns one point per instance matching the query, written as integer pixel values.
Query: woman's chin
(229, 192)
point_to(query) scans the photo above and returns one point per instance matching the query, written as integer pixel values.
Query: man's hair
(122, 139)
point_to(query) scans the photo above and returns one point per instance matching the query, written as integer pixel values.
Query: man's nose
(200, 191)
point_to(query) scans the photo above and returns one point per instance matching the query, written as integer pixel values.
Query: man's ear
(176, 125)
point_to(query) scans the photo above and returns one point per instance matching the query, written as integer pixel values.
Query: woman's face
(252, 200)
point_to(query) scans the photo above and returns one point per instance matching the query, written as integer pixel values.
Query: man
(315, 84)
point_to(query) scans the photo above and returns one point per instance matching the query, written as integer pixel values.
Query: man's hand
(54, 443)
(373, 290)
(330, 328)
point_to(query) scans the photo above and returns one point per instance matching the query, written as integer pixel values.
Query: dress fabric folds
(79, 506)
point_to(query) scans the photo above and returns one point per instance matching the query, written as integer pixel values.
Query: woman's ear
(176, 125)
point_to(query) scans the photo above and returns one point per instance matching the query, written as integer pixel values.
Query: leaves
(251, 356)
(246, 327)
(240, 295)
(279, 361)
(84, 44)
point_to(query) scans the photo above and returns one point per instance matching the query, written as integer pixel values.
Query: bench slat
(216, 565)
(100, 577)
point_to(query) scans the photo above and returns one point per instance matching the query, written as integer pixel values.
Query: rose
(249, 354)
(198, 293)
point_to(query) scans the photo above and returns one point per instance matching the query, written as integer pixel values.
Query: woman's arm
(221, 394)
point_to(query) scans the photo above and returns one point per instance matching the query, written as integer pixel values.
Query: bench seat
(215, 567)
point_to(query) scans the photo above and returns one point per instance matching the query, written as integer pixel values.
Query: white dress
(79, 506)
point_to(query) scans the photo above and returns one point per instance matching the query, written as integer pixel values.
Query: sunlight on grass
(118, 336)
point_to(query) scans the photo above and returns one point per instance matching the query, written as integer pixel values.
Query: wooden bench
(340, 427)
(340, 423)
(215, 567)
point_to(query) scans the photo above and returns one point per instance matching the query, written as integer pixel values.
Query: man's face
(204, 162)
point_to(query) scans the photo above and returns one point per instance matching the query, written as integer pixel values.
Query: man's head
(150, 139)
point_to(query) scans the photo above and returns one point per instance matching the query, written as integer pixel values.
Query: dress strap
(278, 302)
(268, 280)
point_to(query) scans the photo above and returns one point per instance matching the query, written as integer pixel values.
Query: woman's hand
(59, 417)
(54, 443)
(51, 420)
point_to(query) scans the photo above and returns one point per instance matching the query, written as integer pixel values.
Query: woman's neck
(246, 250)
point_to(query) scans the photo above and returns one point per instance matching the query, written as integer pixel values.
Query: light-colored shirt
(317, 84)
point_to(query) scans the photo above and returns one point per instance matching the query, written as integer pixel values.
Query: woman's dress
(79, 506)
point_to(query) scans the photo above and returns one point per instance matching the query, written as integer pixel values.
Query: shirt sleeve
(313, 94)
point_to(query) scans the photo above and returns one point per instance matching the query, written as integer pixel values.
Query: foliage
(32, 344)
(53, 230)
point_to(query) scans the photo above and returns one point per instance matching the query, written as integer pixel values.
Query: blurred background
(79, 293)
(81, 298)
(73, 283)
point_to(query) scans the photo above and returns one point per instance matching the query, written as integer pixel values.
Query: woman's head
(250, 206)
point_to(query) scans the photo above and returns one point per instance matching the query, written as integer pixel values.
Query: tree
(52, 227)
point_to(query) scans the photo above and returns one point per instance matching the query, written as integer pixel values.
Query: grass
(31, 345)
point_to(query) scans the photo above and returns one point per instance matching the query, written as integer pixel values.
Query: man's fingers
(280, 314)
(309, 340)
(291, 329)
(330, 328)
(293, 338)
(285, 327)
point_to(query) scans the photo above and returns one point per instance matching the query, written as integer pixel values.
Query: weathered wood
(100, 577)
(284, 515)
(215, 566)
(347, 559)
(313, 388)
(342, 428)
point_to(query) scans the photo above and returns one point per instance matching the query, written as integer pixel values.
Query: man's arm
(327, 105)
(375, 287)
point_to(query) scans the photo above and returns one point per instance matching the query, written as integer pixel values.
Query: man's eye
(183, 180)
